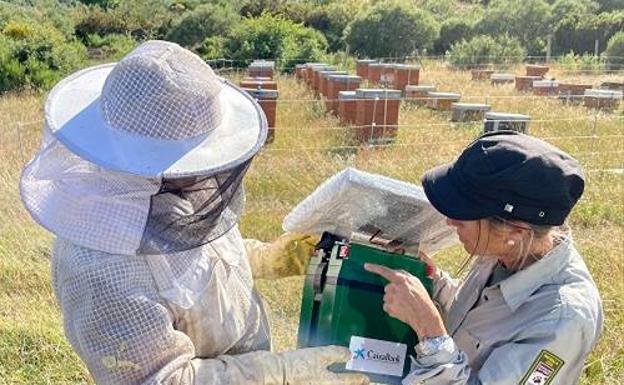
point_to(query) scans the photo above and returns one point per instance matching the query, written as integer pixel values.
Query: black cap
(507, 174)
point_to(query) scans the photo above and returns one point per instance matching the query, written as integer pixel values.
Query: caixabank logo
(372, 355)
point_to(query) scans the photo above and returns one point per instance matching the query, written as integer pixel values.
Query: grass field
(310, 147)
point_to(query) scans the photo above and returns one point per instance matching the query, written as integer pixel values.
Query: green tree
(453, 30)
(331, 20)
(615, 52)
(528, 21)
(205, 21)
(564, 8)
(391, 28)
(578, 33)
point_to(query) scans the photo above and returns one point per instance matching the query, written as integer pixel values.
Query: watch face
(430, 345)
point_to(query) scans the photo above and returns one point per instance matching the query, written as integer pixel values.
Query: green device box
(341, 299)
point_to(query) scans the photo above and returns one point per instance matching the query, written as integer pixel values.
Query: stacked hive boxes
(377, 115)
(481, 74)
(442, 100)
(261, 68)
(337, 84)
(405, 75)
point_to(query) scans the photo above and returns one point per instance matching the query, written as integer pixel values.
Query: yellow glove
(288, 255)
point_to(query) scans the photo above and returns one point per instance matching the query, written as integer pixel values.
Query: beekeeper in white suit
(139, 177)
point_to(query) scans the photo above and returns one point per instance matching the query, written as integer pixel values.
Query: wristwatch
(431, 345)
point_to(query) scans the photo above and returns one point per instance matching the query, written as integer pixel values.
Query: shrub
(141, 19)
(585, 63)
(485, 49)
(113, 46)
(205, 21)
(391, 29)
(452, 31)
(615, 52)
(213, 47)
(36, 56)
(274, 37)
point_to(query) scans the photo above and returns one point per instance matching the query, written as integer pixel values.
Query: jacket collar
(520, 286)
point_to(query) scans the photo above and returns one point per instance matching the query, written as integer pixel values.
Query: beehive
(361, 68)
(525, 83)
(374, 72)
(468, 112)
(481, 74)
(337, 83)
(602, 99)
(323, 79)
(377, 115)
(387, 75)
(496, 121)
(442, 100)
(502, 78)
(347, 109)
(418, 94)
(261, 68)
(613, 86)
(536, 70)
(299, 69)
(316, 77)
(546, 87)
(406, 74)
(268, 102)
(258, 83)
(309, 73)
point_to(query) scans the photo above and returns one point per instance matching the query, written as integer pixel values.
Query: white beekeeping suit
(139, 176)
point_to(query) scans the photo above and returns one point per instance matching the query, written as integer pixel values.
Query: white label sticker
(376, 356)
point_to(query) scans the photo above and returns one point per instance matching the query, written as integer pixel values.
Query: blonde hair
(536, 233)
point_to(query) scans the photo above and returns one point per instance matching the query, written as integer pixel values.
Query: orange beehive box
(324, 78)
(261, 68)
(418, 94)
(536, 70)
(267, 99)
(377, 115)
(442, 100)
(405, 74)
(316, 77)
(361, 68)
(386, 78)
(309, 72)
(481, 74)
(337, 83)
(525, 83)
(299, 69)
(258, 83)
(545, 87)
(347, 109)
(374, 72)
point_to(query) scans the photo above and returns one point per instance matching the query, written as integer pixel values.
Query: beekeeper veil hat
(144, 156)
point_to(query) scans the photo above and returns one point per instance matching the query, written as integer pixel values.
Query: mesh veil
(121, 213)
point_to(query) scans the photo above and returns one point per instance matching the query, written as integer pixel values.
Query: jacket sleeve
(444, 289)
(552, 350)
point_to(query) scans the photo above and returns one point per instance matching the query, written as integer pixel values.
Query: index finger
(385, 272)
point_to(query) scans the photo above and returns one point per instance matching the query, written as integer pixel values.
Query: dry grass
(310, 147)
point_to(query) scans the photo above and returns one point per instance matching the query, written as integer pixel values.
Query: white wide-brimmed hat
(159, 112)
(117, 139)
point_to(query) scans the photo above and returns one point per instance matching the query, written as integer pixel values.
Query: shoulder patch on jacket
(543, 370)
